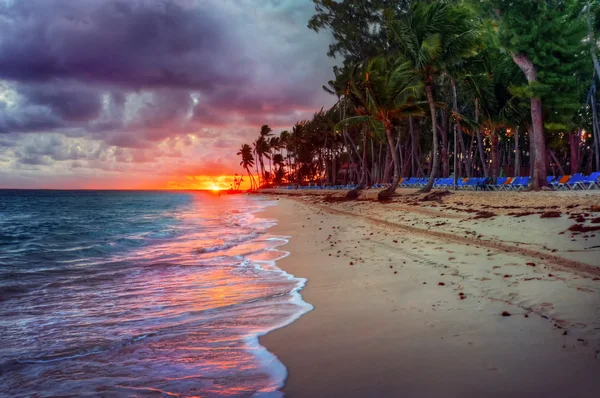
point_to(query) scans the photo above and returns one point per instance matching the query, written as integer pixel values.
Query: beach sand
(409, 296)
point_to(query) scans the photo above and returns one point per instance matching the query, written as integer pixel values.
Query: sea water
(140, 293)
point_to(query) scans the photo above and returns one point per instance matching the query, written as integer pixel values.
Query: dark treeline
(435, 88)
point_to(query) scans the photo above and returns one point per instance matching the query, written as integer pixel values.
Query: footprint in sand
(585, 289)
(579, 325)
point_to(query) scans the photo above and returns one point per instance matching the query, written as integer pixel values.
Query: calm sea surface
(139, 294)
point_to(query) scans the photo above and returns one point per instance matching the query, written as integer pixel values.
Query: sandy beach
(470, 294)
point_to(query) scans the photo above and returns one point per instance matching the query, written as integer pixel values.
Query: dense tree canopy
(513, 82)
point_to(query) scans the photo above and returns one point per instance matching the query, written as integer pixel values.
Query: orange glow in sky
(212, 183)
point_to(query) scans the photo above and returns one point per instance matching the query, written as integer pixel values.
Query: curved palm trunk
(444, 150)
(436, 156)
(466, 156)
(251, 177)
(539, 166)
(257, 173)
(387, 167)
(387, 193)
(353, 194)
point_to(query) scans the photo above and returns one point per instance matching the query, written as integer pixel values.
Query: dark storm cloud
(73, 104)
(27, 119)
(129, 43)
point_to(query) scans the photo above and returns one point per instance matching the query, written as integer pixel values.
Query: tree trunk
(595, 127)
(353, 194)
(456, 173)
(592, 41)
(539, 167)
(435, 153)
(517, 154)
(379, 168)
(413, 145)
(363, 177)
(333, 170)
(388, 166)
(373, 166)
(574, 146)
(480, 141)
(561, 171)
(495, 156)
(466, 156)
(444, 150)
(387, 193)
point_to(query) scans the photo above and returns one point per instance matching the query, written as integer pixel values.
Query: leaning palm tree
(387, 91)
(247, 162)
(263, 150)
(434, 37)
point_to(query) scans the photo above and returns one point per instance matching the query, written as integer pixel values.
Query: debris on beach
(551, 214)
(435, 196)
(583, 228)
(484, 214)
(531, 264)
(522, 214)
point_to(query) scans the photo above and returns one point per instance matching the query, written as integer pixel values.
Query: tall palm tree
(279, 162)
(434, 37)
(387, 91)
(262, 149)
(247, 162)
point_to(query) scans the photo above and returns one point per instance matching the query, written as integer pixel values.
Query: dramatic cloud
(126, 87)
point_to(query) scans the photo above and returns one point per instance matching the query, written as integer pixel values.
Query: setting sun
(214, 187)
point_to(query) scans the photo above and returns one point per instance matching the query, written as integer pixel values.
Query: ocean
(140, 293)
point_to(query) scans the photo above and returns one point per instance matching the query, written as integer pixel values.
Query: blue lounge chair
(574, 181)
(590, 182)
(522, 183)
(500, 181)
(564, 182)
(512, 185)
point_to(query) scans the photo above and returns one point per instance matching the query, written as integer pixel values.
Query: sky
(150, 94)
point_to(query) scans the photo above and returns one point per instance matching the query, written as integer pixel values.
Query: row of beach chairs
(564, 183)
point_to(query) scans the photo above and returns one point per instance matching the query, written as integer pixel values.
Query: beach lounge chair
(521, 184)
(560, 181)
(506, 185)
(590, 182)
(574, 181)
(470, 184)
(512, 184)
(499, 183)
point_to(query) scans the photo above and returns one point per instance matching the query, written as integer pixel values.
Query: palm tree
(247, 162)
(262, 149)
(434, 37)
(387, 91)
(279, 162)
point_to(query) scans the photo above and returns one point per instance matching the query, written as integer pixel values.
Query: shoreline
(401, 313)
